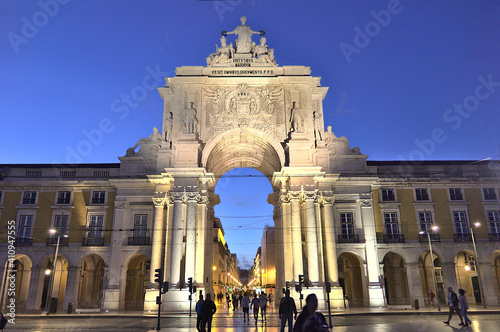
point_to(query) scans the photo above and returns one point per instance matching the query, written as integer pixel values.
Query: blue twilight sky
(408, 79)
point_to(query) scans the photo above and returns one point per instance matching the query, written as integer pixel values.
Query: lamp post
(54, 261)
(435, 228)
(477, 264)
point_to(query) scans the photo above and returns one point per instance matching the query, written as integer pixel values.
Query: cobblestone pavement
(234, 323)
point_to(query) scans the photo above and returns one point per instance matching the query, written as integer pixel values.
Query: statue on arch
(244, 42)
(296, 118)
(169, 126)
(153, 140)
(263, 53)
(222, 54)
(189, 120)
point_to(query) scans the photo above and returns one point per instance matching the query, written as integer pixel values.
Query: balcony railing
(52, 241)
(434, 237)
(463, 237)
(24, 241)
(93, 241)
(394, 238)
(348, 238)
(139, 240)
(494, 236)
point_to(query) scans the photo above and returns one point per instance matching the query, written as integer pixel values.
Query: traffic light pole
(159, 280)
(158, 300)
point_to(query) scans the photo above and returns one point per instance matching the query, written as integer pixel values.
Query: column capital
(365, 200)
(309, 195)
(203, 199)
(192, 196)
(178, 196)
(159, 202)
(121, 204)
(326, 200)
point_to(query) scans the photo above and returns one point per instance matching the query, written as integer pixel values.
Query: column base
(111, 299)
(175, 300)
(376, 296)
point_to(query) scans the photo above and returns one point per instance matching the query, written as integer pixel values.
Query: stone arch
(243, 148)
(352, 278)
(59, 282)
(137, 275)
(425, 268)
(91, 269)
(396, 279)
(23, 265)
(467, 277)
(495, 271)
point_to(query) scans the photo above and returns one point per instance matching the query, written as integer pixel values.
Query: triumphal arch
(244, 110)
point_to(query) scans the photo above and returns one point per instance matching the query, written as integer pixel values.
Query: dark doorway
(475, 287)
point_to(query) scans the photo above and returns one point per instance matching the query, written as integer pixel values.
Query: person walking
(245, 303)
(207, 310)
(286, 311)
(235, 301)
(309, 319)
(228, 301)
(431, 297)
(199, 315)
(453, 306)
(464, 306)
(263, 305)
(255, 305)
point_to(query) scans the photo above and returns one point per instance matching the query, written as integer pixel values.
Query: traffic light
(301, 279)
(159, 276)
(328, 287)
(190, 284)
(287, 284)
(165, 287)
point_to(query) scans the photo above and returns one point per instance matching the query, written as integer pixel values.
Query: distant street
(225, 321)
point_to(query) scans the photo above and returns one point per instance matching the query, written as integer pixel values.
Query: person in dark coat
(287, 311)
(309, 319)
(453, 305)
(207, 310)
(199, 315)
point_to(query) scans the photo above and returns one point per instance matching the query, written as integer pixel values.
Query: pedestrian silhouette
(287, 311)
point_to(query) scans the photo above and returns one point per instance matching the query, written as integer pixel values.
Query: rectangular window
(494, 220)
(461, 225)
(346, 224)
(25, 226)
(388, 195)
(98, 197)
(490, 194)
(64, 197)
(140, 225)
(95, 226)
(425, 220)
(456, 194)
(391, 223)
(61, 224)
(29, 197)
(422, 194)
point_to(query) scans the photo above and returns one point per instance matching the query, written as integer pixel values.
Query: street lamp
(51, 281)
(477, 224)
(435, 228)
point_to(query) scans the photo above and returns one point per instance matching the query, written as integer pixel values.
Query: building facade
(338, 218)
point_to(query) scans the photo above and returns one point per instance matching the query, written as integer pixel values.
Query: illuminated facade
(338, 218)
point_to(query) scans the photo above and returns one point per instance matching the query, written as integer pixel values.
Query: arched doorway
(90, 284)
(22, 276)
(351, 279)
(138, 271)
(467, 277)
(427, 279)
(59, 281)
(396, 280)
(496, 272)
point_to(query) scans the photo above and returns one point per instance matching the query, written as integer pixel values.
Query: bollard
(417, 307)
(70, 308)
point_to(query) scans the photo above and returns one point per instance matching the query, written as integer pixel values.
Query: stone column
(311, 238)
(191, 235)
(71, 283)
(298, 267)
(177, 241)
(158, 232)
(286, 222)
(201, 228)
(415, 285)
(34, 294)
(375, 290)
(449, 277)
(330, 243)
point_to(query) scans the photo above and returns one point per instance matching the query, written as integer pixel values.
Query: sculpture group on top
(243, 48)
